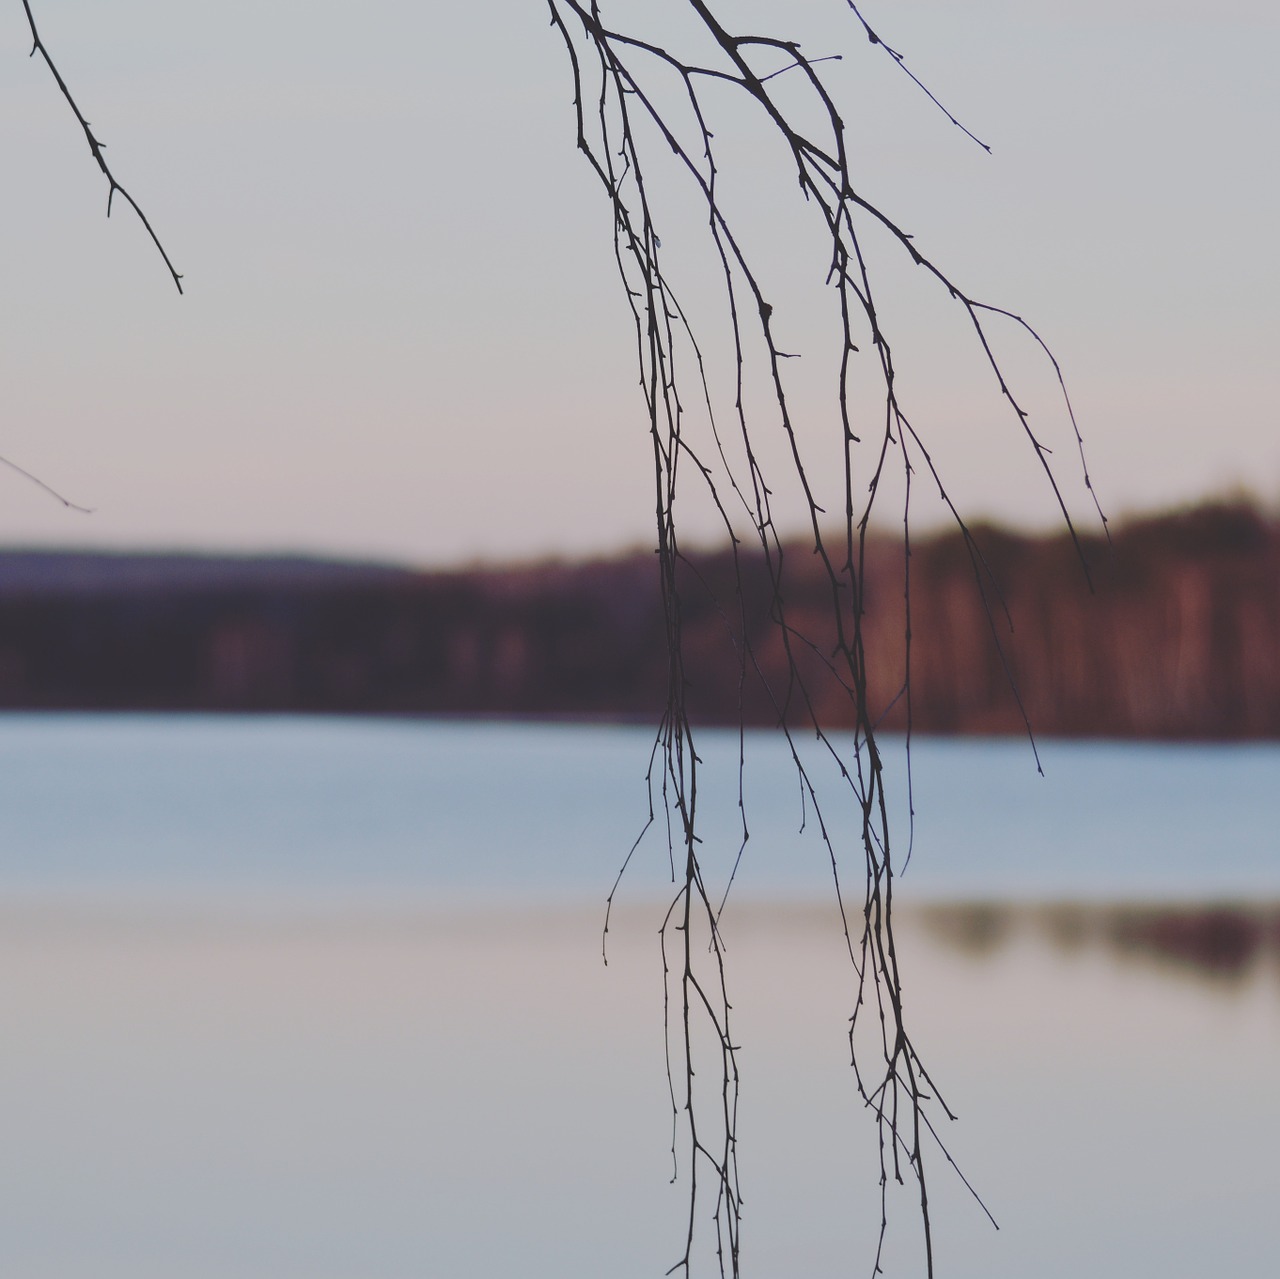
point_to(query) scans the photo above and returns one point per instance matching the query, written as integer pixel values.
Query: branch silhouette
(638, 103)
(96, 147)
(39, 483)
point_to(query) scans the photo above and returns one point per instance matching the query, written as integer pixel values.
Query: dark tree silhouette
(648, 110)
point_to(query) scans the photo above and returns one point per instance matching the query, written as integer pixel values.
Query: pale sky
(403, 336)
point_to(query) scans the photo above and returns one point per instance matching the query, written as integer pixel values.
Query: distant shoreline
(1179, 640)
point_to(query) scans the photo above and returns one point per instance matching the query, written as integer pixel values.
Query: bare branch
(39, 483)
(96, 148)
(635, 102)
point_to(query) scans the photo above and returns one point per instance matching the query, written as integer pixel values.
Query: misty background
(403, 336)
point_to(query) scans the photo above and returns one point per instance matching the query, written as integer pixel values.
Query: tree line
(1177, 639)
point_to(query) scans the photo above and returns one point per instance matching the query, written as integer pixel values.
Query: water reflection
(1225, 942)
(228, 1094)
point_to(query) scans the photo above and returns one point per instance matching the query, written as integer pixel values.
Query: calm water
(323, 999)
(292, 806)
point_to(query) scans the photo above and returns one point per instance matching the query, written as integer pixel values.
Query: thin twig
(39, 483)
(96, 148)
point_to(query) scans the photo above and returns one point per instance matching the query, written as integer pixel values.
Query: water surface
(290, 805)
(324, 999)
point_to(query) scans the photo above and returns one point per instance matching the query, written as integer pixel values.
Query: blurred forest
(1180, 637)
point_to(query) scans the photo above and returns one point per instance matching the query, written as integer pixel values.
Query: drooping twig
(96, 147)
(39, 483)
(635, 101)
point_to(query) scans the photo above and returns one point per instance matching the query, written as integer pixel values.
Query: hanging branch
(40, 484)
(626, 120)
(96, 147)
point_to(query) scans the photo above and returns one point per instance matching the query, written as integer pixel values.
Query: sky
(403, 336)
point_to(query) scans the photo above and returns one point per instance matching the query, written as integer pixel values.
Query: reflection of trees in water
(1219, 940)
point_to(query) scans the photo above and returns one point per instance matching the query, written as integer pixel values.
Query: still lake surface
(318, 997)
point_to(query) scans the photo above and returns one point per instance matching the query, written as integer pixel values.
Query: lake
(288, 997)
